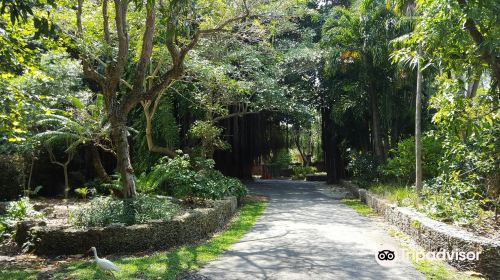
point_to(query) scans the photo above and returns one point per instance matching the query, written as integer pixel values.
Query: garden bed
(189, 226)
(436, 236)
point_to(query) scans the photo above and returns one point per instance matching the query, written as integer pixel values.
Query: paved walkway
(305, 234)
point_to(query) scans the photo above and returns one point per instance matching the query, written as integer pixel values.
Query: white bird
(104, 264)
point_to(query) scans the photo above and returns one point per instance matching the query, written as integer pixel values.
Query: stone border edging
(189, 227)
(435, 236)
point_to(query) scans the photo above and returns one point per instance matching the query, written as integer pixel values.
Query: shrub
(300, 172)
(362, 166)
(82, 192)
(449, 198)
(401, 166)
(11, 176)
(103, 211)
(182, 178)
(16, 211)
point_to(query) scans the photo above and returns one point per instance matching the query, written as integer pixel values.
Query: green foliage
(401, 166)
(183, 178)
(82, 192)
(452, 199)
(280, 160)
(359, 207)
(12, 177)
(49, 87)
(300, 172)
(103, 211)
(362, 166)
(165, 132)
(16, 211)
(395, 193)
(84, 123)
(209, 135)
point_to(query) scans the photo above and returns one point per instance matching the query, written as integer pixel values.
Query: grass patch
(16, 273)
(359, 207)
(400, 195)
(164, 265)
(431, 269)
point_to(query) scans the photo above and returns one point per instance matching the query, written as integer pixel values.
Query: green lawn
(359, 206)
(398, 194)
(433, 270)
(162, 265)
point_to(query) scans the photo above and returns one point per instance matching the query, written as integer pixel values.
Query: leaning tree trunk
(97, 164)
(124, 166)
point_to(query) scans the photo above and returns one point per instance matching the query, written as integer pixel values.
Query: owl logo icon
(386, 255)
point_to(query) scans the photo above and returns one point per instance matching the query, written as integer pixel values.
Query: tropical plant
(15, 212)
(81, 125)
(401, 164)
(103, 211)
(83, 192)
(184, 178)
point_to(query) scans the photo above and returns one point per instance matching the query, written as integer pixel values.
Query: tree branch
(179, 54)
(232, 115)
(88, 70)
(105, 21)
(149, 114)
(134, 96)
(115, 72)
(478, 39)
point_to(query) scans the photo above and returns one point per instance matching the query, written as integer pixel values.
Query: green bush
(16, 211)
(11, 176)
(103, 211)
(281, 159)
(180, 177)
(300, 172)
(362, 166)
(401, 165)
(452, 199)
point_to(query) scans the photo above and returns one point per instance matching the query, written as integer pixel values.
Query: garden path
(305, 233)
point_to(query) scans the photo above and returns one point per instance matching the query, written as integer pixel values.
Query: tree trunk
(418, 140)
(329, 143)
(124, 166)
(299, 148)
(66, 181)
(471, 91)
(97, 164)
(376, 136)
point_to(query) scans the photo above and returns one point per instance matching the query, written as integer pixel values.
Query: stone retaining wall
(435, 236)
(190, 227)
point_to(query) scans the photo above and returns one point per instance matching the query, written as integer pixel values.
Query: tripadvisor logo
(389, 256)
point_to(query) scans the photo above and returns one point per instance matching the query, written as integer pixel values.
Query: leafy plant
(103, 211)
(83, 192)
(401, 166)
(362, 166)
(300, 172)
(209, 135)
(16, 211)
(180, 177)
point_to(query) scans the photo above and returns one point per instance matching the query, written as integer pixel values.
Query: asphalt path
(305, 233)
